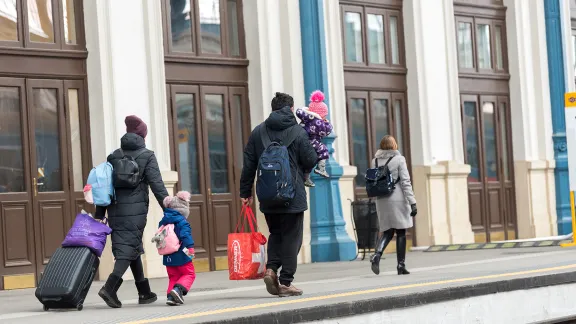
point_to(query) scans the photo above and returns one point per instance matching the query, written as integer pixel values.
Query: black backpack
(379, 181)
(126, 172)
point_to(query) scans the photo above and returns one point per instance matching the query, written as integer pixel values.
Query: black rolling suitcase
(67, 278)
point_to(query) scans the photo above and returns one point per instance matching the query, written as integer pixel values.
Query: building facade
(466, 87)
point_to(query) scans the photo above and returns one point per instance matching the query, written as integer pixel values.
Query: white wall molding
(433, 94)
(529, 87)
(275, 53)
(100, 79)
(531, 119)
(153, 37)
(453, 88)
(336, 85)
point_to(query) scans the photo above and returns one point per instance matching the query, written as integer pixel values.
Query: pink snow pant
(183, 275)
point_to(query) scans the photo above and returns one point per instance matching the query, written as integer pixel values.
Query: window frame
(467, 20)
(386, 12)
(23, 29)
(372, 142)
(493, 23)
(197, 36)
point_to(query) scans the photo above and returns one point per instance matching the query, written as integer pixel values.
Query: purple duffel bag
(88, 232)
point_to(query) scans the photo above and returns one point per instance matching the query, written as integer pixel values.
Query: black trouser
(120, 267)
(284, 243)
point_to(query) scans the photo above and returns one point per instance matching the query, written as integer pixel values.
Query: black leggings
(390, 233)
(120, 267)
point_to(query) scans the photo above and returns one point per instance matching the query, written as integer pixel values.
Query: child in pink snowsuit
(179, 266)
(314, 121)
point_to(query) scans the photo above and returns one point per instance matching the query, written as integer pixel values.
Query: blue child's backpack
(275, 183)
(100, 178)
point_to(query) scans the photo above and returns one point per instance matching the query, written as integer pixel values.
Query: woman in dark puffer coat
(127, 214)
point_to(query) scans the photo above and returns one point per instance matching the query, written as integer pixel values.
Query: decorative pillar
(329, 239)
(531, 119)
(439, 176)
(557, 89)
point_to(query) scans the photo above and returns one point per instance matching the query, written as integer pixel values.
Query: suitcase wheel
(46, 308)
(80, 307)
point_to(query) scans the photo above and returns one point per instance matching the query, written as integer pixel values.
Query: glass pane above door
(376, 41)
(40, 21)
(210, 26)
(483, 44)
(48, 170)
(69, 21)
(181, 25)
(353, 37)
(394, 40)
(8, 20)
(465, 53)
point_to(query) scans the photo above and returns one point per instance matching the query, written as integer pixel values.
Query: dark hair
(282, 100)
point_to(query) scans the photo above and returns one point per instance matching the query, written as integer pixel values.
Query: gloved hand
(414, 210)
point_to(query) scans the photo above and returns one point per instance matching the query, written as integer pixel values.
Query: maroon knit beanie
(136, 125)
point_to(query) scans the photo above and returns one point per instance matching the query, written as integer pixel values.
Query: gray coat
(394, 211)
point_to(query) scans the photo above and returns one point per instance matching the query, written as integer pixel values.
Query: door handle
(209, 196)
(35, 182)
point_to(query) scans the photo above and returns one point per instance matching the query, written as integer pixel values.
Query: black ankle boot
(145, 295)
(382, 244)
(401, 254)
(108, 292)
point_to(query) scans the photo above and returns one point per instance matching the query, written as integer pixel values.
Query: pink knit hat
(317, 104)
(180, 203)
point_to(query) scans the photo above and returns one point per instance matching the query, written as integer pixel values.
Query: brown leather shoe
(289, 291)
(271, 281)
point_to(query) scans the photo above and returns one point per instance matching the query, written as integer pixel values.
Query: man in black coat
(286, 224)
(127, 214)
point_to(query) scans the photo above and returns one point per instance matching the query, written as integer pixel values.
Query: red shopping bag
(246, 252)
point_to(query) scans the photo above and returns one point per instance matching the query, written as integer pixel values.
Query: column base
(333, 248)
(442, 196)
(564, 226)
(535, 199)
(329, 238)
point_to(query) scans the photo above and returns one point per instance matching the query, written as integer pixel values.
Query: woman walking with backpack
(128, 212)
(395, 212)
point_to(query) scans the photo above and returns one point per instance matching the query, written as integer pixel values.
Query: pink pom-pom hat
(180, 203)
(317, 104)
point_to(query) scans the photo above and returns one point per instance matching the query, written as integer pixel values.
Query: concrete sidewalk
(214, 298)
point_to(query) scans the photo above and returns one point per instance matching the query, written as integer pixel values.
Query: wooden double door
(43, 145)
(488, 151)
(210, 126)
(371, 116)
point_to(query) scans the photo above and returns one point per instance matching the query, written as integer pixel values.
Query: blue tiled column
(329, 239)
(557, 89)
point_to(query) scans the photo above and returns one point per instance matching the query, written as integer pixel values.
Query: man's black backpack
(126, 172)
(379, 181)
